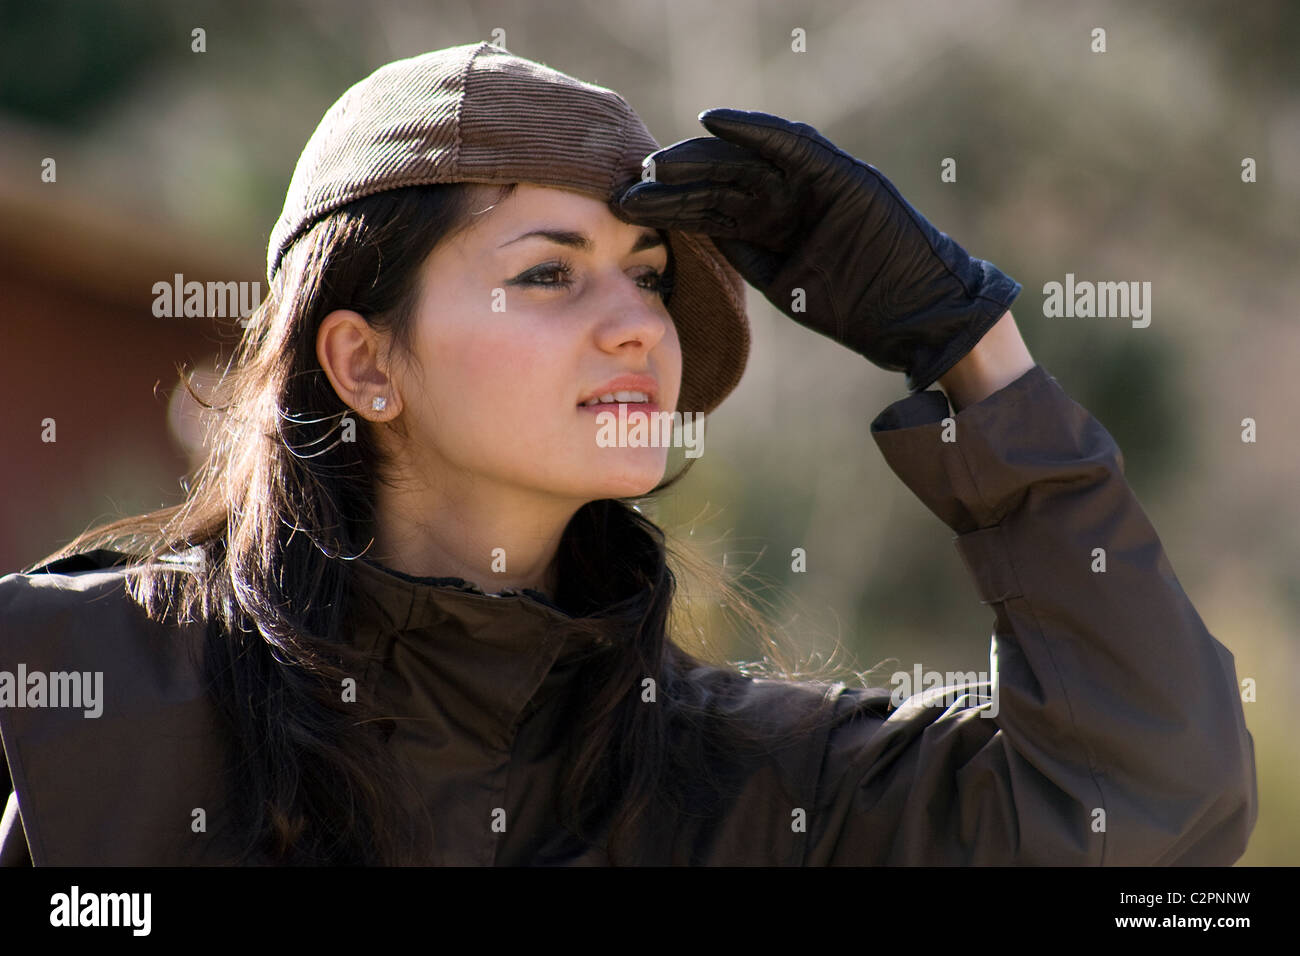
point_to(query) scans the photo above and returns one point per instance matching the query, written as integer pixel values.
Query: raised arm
(1116, 735)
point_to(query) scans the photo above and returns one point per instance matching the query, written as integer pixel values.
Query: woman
(408, 614)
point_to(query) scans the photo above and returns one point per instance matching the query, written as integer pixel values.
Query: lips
(645, 384)
(646, 407)
(619, 398)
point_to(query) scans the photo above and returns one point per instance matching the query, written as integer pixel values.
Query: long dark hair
(280, 505)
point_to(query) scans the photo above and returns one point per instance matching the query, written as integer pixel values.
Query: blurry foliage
(63, 61)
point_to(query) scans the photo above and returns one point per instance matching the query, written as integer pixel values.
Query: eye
(656, 278)
(536, 276)
(546, 275)
(660, 283)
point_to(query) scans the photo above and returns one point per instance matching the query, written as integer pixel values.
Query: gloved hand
(791, 211)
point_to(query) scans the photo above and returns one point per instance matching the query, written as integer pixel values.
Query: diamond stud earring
(379, 403)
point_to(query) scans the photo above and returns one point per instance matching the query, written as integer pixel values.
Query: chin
(629, 484)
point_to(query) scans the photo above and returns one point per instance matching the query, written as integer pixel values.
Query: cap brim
(708, 310)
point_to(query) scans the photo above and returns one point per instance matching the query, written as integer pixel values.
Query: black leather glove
(792, 211)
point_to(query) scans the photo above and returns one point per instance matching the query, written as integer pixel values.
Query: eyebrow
(579, 240)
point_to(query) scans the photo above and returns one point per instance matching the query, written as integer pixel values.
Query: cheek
(479, 372)
(503, 366)
(494, 390)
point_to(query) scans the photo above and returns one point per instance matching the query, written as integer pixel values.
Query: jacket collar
(390, 600)
(441, 650)
(391, 581)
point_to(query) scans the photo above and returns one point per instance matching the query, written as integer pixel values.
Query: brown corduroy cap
(478, 113)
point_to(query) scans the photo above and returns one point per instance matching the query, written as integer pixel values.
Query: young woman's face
(514, 329)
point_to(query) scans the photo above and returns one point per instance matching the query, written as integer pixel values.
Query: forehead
(532, 206)
(538, 196)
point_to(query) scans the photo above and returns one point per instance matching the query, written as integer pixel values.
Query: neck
(493, 536)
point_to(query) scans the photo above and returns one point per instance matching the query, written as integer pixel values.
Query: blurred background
(1117, 166)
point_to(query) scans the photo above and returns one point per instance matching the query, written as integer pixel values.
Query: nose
(631, 317)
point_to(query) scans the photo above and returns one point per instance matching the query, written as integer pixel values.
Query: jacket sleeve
(1110, 730)
(116, 781)
(13, 842)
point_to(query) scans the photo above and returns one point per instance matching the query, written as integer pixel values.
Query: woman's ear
(350, 353)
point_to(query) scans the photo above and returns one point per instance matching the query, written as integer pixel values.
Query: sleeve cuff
(971, 468)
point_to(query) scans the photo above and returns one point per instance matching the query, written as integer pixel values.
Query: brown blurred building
(83, 347)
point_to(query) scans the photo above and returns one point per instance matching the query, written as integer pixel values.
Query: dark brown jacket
(1119, 736)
